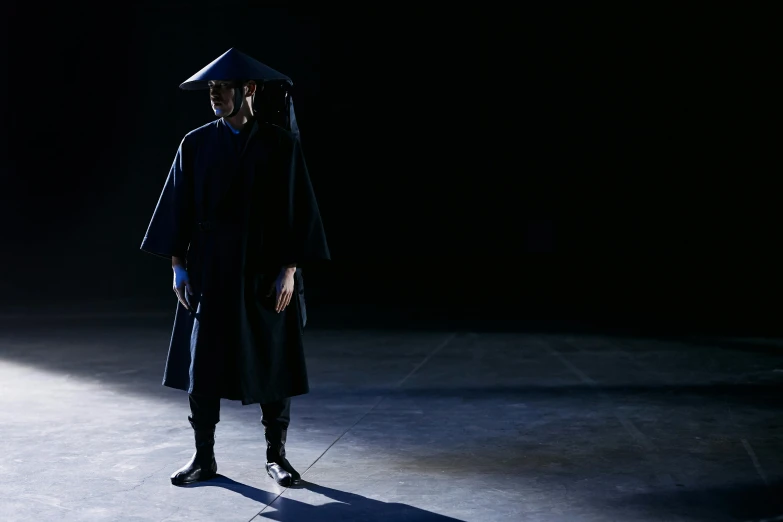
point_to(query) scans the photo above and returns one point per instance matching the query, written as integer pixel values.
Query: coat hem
(245, 401)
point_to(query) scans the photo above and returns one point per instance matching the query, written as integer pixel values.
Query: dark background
(599, 167)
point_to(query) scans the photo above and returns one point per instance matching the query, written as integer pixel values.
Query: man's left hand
(284, 285)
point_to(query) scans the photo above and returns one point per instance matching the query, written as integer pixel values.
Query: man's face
(221, 94)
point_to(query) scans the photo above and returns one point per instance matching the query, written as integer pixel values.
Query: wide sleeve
(304, 239)
(170, 228)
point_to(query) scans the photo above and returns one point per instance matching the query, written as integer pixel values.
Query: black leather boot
(277, 466)
(202, 466)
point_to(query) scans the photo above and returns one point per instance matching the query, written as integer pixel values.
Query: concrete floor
(409, 425)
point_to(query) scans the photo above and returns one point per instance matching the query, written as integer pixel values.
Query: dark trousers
(205, 412)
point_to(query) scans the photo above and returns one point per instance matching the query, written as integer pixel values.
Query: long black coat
(238, 209)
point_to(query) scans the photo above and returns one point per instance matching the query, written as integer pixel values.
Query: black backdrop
(569, 163)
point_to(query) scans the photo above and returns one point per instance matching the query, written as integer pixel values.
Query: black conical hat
(233, 65)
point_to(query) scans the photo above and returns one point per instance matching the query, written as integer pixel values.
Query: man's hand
(182, 285)
(284, 284)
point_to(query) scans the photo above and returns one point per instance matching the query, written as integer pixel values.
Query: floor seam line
(396, 386)
(651, 452)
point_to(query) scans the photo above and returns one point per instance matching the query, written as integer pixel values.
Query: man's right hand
(182, 285)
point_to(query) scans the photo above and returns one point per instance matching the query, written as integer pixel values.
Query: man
(238, 217)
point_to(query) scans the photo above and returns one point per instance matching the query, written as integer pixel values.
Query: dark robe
(238, 208)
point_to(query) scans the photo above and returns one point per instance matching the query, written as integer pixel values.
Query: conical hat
(233, 65)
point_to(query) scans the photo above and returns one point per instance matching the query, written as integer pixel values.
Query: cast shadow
(347, 507)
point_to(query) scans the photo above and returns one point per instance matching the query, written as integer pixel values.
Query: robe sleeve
(170, 228)
(304, 239)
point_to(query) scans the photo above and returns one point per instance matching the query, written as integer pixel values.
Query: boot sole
(287, 482)
(284, 483)
(204, 476)
(179, 482)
